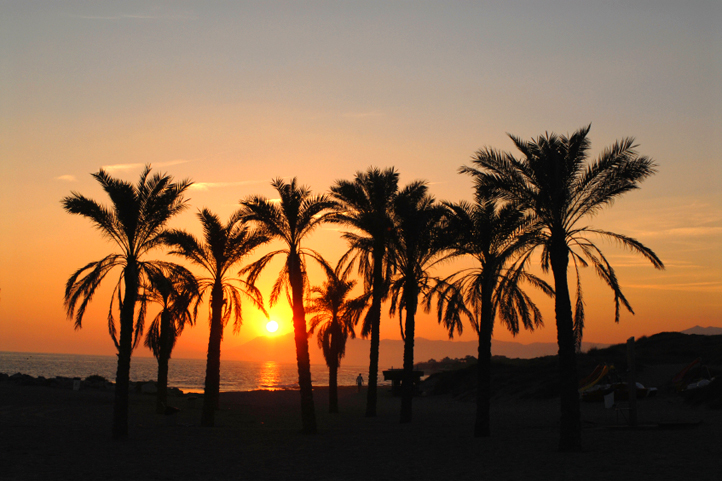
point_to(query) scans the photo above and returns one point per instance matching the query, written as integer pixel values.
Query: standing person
(359, 381)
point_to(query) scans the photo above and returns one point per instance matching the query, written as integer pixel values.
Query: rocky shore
(97, 383)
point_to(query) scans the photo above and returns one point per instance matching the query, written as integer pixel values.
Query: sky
(234, 94)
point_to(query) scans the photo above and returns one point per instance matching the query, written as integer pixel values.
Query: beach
(48, 433)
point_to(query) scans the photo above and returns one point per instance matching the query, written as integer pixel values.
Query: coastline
(185, 374)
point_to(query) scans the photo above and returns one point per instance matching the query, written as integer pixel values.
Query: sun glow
(272, 326)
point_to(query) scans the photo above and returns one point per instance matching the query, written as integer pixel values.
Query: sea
(187, 375)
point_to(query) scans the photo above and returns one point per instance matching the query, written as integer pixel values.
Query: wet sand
(48, 433)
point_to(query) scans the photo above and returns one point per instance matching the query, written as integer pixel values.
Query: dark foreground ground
(48, 434)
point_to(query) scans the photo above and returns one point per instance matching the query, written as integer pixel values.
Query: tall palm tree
(500, 242)
(417, 246)
(223, 247)
(365, 205)
(290, 220)
(134, 221)
(554, 181)
(176, 290)
(335, 316)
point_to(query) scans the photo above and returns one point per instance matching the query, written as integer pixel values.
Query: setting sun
(272, 326)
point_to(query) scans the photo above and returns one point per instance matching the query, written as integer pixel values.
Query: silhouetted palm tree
(135, 222)
(176, 290)
(417, 245)
(223, 247)
(335, 316)
(554, 182)
(365, 205)
(500, 241)
(290, 220)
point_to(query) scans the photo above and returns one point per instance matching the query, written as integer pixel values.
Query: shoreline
(184, 374)
(67, 383)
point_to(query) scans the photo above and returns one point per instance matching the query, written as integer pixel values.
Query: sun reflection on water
(269, 377)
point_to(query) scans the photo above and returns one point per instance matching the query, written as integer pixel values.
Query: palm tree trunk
(162, 395)
(375, 320)
(163, 357)
(570, 428)
(125, 349)
(333, 362)
(303, 360)
(482, 427)
(333, 387)
(213, 360)
(407, 384)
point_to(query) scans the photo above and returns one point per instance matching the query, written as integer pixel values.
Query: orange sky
(233, 95)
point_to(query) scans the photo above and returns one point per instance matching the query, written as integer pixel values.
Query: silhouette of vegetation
(135, 221)
(223, 247)
(290, 220)
(500, 240)
(446, 364)
(535, 203)
(335, 316)
(365, 205)
(417, 245)
(554, 182)
(176, 290)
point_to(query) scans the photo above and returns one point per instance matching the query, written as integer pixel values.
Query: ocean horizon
(187, 375)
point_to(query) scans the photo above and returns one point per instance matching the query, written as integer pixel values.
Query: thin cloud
(686, 232)
(172, 162)
(132, 16)
(687, 286)
(116, 167)
(67, 178)
(695, 231)
(115, 17)
(123, 167)
(204, 186)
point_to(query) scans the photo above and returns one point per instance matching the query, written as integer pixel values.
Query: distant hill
(281, 349)
(658, 358)
(705, 331)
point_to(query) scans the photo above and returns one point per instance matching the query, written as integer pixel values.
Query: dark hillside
(658, 358)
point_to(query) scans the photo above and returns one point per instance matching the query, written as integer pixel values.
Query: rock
(149, 388)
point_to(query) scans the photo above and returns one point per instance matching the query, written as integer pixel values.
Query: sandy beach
(48, 433)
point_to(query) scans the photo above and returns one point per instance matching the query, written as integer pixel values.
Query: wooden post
(632, 368)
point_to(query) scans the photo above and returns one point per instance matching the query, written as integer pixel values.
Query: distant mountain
(705, 331)
(282, 349)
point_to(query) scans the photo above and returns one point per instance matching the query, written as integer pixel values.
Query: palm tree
(554, 182)
(365, 205)
(335, 317)
(417, 246)
(290, 220)
(175, 289)
(223, 247)
(500, 241)
(135, 222)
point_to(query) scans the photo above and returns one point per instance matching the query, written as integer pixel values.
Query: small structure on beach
(397, 375)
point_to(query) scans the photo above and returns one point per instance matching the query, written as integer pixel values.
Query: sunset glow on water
(185, 374)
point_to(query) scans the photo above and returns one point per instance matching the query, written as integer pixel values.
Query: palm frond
(631, 244)
(84, 289)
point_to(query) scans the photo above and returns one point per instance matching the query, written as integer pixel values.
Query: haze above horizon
(233, 95)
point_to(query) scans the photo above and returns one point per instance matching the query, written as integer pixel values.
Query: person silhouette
(359, 381)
